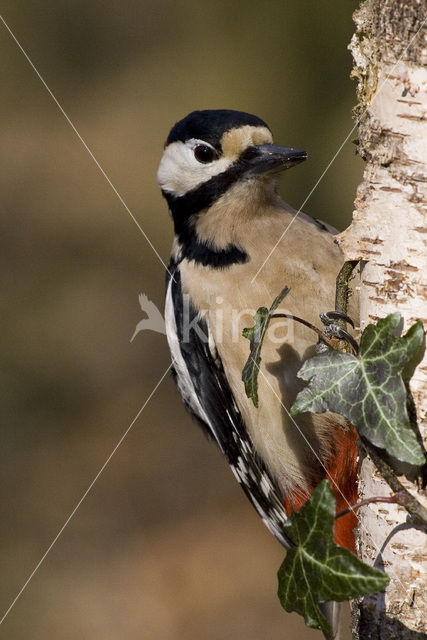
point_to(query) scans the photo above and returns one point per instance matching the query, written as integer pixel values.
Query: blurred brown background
(165, 546)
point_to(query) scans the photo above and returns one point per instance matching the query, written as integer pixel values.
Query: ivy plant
(367, 388)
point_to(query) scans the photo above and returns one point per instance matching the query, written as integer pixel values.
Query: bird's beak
(270, 158)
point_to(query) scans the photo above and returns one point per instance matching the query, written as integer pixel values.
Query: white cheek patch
(179, 171)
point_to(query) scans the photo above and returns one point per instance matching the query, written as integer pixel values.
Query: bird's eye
(204, 154)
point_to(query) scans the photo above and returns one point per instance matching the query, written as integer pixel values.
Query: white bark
(389, 230)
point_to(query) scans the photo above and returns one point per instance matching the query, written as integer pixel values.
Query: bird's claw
(334, 330)
(329, 316)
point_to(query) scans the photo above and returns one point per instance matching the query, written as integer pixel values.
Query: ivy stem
(342, 291)
(320, 333)
(394, 499)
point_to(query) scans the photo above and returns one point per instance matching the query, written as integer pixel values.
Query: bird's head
(218, 169)
(209, 151)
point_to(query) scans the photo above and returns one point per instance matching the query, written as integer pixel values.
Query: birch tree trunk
(389, 230)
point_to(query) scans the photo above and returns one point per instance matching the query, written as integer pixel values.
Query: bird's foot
(333, 322)
(329, 317)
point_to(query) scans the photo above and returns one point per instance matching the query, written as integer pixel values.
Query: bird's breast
(229, 298)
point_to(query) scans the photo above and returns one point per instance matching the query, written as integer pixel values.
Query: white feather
(184, 381)
(179, 171)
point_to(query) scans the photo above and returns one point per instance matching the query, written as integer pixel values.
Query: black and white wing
(205, 390)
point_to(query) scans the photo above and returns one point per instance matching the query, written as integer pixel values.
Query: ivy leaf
(317, 570)
(256, 336)
(368, 390)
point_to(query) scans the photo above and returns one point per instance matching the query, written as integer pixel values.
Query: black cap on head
(211, 124)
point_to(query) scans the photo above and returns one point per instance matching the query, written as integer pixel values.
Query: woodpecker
(236, 245)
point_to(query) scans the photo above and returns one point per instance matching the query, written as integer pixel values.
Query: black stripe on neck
(193, 248)
(184, 210)
(204, 196)
(216, 259)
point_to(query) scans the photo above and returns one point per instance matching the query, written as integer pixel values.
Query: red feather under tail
(342, 474)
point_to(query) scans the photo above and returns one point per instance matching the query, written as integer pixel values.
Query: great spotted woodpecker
(218, 174)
